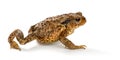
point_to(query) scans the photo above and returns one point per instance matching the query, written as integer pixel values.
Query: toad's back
(48, 31)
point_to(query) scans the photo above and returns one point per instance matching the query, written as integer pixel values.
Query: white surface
(101, 33)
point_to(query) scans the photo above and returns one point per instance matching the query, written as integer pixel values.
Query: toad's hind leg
(68, 44)
(20, 37)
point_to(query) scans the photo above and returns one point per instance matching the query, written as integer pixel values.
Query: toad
(51, 30)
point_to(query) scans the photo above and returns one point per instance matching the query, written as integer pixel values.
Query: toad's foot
(77, 47)
(14, 45)
(82, 47)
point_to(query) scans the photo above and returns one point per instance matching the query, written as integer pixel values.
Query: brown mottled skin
(50, 30)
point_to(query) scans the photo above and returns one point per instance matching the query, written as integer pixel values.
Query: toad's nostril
(83, 18)
(83, 21)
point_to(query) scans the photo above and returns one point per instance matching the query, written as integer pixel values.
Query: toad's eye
(77, 19)
(66, 21)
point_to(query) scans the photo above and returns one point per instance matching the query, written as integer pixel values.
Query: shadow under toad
(60, 48)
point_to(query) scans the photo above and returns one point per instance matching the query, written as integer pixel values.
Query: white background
(101, 33)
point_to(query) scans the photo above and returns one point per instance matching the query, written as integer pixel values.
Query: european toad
(50, 30)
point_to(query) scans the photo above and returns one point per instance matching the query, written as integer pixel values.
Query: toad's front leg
(20, 37)
(68, 44)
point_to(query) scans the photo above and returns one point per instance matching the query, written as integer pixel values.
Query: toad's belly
(47, 40)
